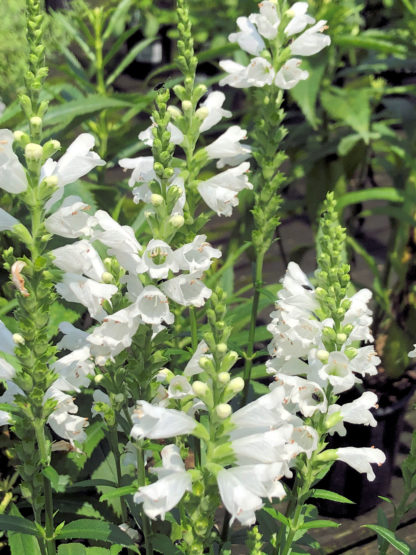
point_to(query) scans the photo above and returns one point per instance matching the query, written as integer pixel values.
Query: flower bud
(50, 147)
(350, 352)
(341, 338)
(322, 355)
(186, 106)
(347, 328)
(156, 199)
(200, 388)
(223, 410)
(107, 278)
(21, 138)
(164, 375)
(224, 377)
(236, 385)
(228, 361)
(51, 181)
(33, 152)
(200, 90)
(98, 378)
(174, 112)
(333, 419)
(202, 113)
(18, 339)
(100, 360)
(119, 398)
(222, 348)
(176, 221)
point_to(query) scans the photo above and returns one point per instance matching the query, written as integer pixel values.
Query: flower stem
(258, 284)
(113, 441)
(146, 528)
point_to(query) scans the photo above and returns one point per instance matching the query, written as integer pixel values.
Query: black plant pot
(346, 481)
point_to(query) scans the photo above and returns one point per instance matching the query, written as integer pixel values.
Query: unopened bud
(177, 221)
(200, 388)
(224, 377)
(21, 138)
(98, 378)
(186, 105)
(322, 355)
(156, 199)
(107, 278)
(350, 352)
(236, 385)
(202, 113)
(33, 152)
(100, 360)
(223, 410)
(50, 147)
(164, 375)
(222, 348)
(333, 419)
(119, 398)
(200, 90)
(18, 339)
(341, 338)
(51, 181)
(347, 328)
(228, 361)
(174, 112)
(206, 364)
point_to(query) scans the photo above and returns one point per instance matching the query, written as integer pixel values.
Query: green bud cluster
(332, 275)
(254, 541)
(186, 59)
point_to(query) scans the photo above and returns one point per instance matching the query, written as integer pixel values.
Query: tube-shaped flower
(227, 148)
(164, 494)
(247, 38)
(156, 422)
(79, 258)
(361, 459)
(196, 256)
(311, 41)
(7, 221)
(213, 103)
(71, 219)
(187, 289)
(12, 174)
(153, 306)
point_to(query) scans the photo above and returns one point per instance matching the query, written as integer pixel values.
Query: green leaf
(129, 59)
(379, 193)
(58, 482)
(75, 35)
(117, 17)
(277, 515)
(22, 544)
(347, 143)
(330, 495)
(89, 529)
(91, 104)
(118, 492)
(371, 40)
(59, 313)
(18, 524)
(306, 92)
(163, 544)
(388, 535)
(319, 524)
(72, 549)
(351, 107)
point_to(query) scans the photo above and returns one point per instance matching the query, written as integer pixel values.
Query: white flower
(299, 18)
(248, 38)
(12, 174)
(213, 103)
(164, 494)
(73, 370)
(412, 354)
(220, 192)
(356, 412)
(7, 221)
(187, 289)
(88, 292)
(142, 167)
(239, 501)
(79, 258)
(176, 135)
(63, 420)
(307, 395)
(193, 367)
(196, 256)
(227, 148)
(267, 21)
(179, 387)
(134, 286)
(115, 333)
(8, 398)
(311, 41)
(153, 306)
(159, 259)
(290, 74)
(361, 459)
(71, 220)
(258, 73)
(121, 241)
(360, 316)
(155, 422)
(365, 361)
(336, 371)
(77, 161)
(73, 338)
(267, 447)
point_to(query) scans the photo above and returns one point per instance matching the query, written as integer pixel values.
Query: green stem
(146, 528)
(258, 284)
(47, 489)
(113, 441)
(194, 328)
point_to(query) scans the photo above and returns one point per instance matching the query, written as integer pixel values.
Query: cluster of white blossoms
(262, 446)
(299, 356)
(267, 67)
(220, 191)
(73, 368)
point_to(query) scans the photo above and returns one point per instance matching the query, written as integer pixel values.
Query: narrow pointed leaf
(388, 535)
